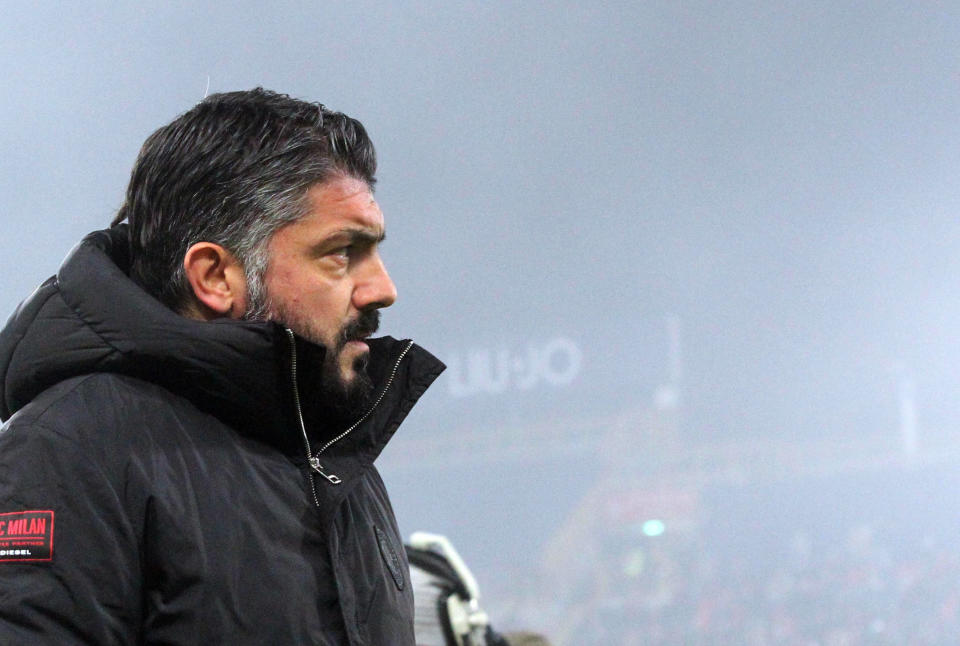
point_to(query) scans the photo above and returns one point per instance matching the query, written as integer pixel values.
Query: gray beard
(335, 399)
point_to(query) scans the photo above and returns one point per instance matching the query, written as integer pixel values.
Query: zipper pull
(316, 466)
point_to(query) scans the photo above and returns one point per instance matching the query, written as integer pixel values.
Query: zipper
(296, 403)
(313, 458)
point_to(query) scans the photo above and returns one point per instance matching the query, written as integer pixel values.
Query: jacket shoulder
(99, 408)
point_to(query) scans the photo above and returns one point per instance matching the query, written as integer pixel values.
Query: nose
(374, 289)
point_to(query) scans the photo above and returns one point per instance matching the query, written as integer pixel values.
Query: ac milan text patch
(26, 536)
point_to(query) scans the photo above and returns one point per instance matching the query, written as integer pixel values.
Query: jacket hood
(91, 318)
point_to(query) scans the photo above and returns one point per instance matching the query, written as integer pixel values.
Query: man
(195, 404)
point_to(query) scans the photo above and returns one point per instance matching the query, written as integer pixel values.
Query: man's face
(325, 279)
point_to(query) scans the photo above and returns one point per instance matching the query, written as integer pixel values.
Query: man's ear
(217, 279)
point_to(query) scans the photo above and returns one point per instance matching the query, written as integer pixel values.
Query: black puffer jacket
(154, 481)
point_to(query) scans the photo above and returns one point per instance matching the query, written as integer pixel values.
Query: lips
(362, 335)
(362, 327)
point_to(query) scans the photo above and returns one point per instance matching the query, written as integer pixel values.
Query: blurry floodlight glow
(653, 527)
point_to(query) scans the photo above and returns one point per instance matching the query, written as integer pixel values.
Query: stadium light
(653, 527)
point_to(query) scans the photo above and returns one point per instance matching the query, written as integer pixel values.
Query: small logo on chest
(390, 558)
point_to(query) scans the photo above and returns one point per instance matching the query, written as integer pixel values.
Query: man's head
(259, 206)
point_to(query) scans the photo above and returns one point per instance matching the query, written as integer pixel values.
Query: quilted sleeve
(69, 555)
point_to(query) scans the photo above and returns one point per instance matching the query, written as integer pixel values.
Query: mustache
(364, 325)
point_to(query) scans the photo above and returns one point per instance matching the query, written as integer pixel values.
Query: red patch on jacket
(26, 536)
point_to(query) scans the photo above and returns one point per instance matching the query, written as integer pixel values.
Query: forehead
(342, 201)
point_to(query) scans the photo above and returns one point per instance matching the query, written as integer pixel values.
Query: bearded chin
(336, 397)
(345, 400)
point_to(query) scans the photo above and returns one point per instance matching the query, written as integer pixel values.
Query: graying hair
(232, 171)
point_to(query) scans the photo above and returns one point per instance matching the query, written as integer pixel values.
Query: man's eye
(343, 252)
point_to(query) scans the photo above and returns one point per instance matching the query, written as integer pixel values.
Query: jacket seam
(82, 318)
(39, 415)
(25, 327)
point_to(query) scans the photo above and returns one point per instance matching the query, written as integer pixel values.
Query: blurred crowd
(854, 583)
(857, 594)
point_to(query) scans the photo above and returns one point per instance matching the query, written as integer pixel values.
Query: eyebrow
(363, 236)
(360, 237)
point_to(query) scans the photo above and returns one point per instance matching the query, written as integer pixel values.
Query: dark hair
(231, 171)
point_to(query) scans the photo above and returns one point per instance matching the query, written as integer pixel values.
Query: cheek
(333, 300)
(288, 286)
(325, 301)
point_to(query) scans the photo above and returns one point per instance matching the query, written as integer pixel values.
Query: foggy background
(688, 262)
